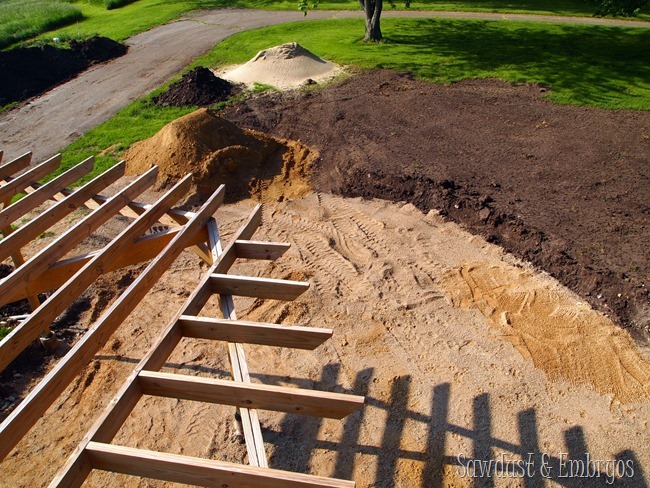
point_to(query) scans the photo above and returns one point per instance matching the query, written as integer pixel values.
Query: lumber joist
(43, 395)
(246, 286)
(248, 395)
(253, 332)
(199, 472)
(19, 183)
(15, 165)
(45, 192)
(260, 250)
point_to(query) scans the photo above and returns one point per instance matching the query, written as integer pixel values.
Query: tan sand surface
(286, 66)
(444, 384)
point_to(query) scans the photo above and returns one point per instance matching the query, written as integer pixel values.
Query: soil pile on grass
(217, 152)
(285, 66)
(197, 87)
(29, 71)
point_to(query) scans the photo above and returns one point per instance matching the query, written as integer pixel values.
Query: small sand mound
(216, 151)
(566, 340)
(197, 87)
(285, 66)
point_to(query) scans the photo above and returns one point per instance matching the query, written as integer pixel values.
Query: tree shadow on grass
(583, 64)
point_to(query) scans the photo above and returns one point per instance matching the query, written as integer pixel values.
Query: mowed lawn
(21, 20)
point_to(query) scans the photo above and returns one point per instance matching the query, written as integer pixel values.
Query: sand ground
(445, 382)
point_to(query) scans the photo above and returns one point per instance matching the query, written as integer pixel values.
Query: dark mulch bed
(30, 71)
(566, 188)
(197, 87)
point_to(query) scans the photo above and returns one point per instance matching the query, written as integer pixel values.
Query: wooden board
(32, 200)
(19, 183)
(200, 472)
(254, 332)
(248, 395)
(260, 250)
(15, 165)
(246, 286)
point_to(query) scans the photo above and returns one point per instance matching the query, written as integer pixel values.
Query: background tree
(624, 8)
(372, 9)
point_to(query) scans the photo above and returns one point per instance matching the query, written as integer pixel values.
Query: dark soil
(197, 87)
(566, 188)
(30, 71)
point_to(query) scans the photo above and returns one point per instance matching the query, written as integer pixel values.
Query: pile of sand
(286, 66)
(217, 152)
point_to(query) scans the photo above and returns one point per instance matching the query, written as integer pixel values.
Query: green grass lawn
(141, 15)
(23, 19)
(584, 65)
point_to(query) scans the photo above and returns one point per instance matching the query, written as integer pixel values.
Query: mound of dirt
(285, 66)
(217, 152)
(197, 87)
(29, 71)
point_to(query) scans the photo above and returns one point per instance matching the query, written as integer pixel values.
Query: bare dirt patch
(217, 152)
(562, 187)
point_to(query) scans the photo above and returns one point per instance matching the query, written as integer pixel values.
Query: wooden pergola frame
(49, 270)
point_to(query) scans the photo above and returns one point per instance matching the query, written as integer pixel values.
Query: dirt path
(52, 121)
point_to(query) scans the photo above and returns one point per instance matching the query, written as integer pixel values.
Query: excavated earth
(30, 71)
(563, 187)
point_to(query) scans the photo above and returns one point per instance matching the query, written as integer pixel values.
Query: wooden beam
(15, 165)
(249, 417)
(41, 261)
(23, 417)
(200, 472)
(261, 250)
(52, 215)
(143, 249)
(23, 334)
(245, 286)
(254, 332)
(249, 395)
(19, 183)
(32, 200)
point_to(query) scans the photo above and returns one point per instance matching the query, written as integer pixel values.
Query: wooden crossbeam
(18, 184)
(34, 199)
(200, 472)
(143, 249)
(257, 287)
(249, 395)
(43, 395)
(254, 332)
(261, 250)
(24, 333)
(44, 221)
(15, 165)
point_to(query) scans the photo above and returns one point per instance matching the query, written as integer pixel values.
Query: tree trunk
(372, 9)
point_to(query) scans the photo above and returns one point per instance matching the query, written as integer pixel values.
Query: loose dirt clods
(217, 152)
